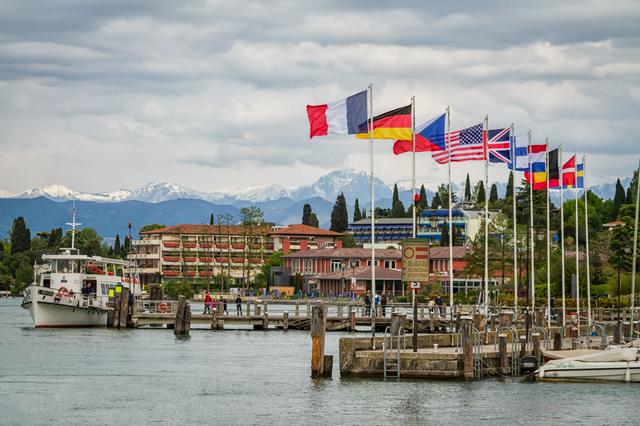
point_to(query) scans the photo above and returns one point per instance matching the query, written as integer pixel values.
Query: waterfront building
(391, 231)
(200, 252)
(298, 237)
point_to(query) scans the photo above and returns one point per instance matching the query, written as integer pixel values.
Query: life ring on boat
(162, 308)
(62, 292)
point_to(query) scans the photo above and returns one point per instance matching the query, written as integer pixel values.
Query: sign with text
(414, 285)
(415, 260)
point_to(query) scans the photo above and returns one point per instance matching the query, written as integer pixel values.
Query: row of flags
(349, 116)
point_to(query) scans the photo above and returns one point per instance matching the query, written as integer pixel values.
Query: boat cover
(615, 355)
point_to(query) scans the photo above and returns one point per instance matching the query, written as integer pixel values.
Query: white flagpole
(575, 176)
(450, 214)
(532, 275)
(373, 208)
(413, 162)
(485, 137)
(635, 253)
(564, 306)
(546, 168)
(586, 240)
(515, 239)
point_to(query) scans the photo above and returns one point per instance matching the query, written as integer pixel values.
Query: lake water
(100, 376)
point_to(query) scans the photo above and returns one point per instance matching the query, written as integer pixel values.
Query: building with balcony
(391, 231)
(298, 237)
(200, 252)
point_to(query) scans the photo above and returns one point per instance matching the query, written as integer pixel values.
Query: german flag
(394, 124)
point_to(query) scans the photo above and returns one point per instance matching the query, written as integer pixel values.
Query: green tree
(212, 220)
(509, 192)
(339, 215)
(264, 277)
(150, 227)
(632, 189)
(20, 236)
(620, 245)
(435, 201)
(313, 220)
(87, 241)
(117, 247)
(364, 213)
(348, 241)
(55, 237)
(306, 214)
(357, 213)
(422, 204)
(251, 217)
(444, 235)
(467, 190)
(126, 247)
(619, 199)
(479, 193)
(397, 207)
(493, 194)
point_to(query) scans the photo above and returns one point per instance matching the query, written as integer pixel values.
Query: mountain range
(109, 213)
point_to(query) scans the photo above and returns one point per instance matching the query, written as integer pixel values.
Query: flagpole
(635, 252)
(546, 168)
(515, 239)
(586, 239)
(575, 192)
(413, 162)
(564, 306)
(485, 136)
(531, 277)
(450, 214)
(373, 208)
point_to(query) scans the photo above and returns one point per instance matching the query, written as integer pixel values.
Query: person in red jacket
(207, 303)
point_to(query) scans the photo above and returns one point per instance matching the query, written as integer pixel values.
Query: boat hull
(48, 313)
(597, 371)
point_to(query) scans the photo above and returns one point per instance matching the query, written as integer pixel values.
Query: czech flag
(344, 117)
(394, 124)
(429, 137)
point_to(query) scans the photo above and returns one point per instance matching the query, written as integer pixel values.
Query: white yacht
(617, 365)
(72, 290)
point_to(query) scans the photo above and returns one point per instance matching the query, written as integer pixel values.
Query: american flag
(499, 146)
(465, 145)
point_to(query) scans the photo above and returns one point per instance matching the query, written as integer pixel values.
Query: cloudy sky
(212, 94)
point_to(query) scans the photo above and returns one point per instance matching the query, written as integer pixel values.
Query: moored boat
(614, 365)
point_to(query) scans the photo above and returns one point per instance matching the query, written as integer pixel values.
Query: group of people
(211, 303)
(378, 300)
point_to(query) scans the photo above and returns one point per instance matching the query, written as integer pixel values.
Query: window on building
(336, 265)
(369, 262)
(390, 264)
(296, 266)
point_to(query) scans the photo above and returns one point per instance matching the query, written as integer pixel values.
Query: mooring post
(352, 320)
(116, 310)
(535, 342)
(256, 310)
(502, 348)
(506, 318)
(265, 321)
(557, 341)
(308, 310)
(318, 329)
(523, 346)
(182, 320)
(285, 321)
(297, 314)
(432, 322)
(111, 304)
(339, 310)
(124, 308)
(248, 311)
(467, 346)
(540, 317)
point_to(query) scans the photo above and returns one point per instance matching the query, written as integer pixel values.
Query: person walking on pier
(367, 304)
(439, 304)
(238, 305)
(224, 306)
(207, 303)
(383, 303)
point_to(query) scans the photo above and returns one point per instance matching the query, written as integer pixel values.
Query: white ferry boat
(72, 290)
(58, 298)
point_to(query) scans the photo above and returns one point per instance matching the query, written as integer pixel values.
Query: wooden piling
(504, 356)
(248, 311)
(352, 321)
(506, 318)
(285, 321)
(539, 321)
(467, 347)
(265, 321)
(257, 310)
(535, 342)
(215, 320)
(182, 323)
(123, 316)
(111, 303)
(340, 313)
(297, 314)
(308, 310)
(523, 346)
(318, 329)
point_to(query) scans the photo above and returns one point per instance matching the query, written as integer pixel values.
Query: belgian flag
(394, 124)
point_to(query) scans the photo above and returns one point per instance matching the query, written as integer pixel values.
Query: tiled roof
(305, 230)
(207, 230)
(361, 273)
(443, 252)
(357, 253)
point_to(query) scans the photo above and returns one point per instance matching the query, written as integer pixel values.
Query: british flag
(499, 146)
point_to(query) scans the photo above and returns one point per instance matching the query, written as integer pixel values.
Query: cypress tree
(618, 199)
(55, 236)
(435, 201)
(493, 194)
(632, 189)
(20, 236)
(357, 214)
(509, 191)
(422, 204)
(467, 189)
(117, 248)
(444, 235)
(364, 213)
(480, 194)
(306, 214)
(313, 220)
(127, 245)
(212, 221)
(397, 207)
(339, 215)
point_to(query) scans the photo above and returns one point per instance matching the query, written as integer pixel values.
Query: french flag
(343, 117)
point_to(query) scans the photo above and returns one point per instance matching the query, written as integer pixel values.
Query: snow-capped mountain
(6, 194)
(62, 193)
(261, 194)
(156, 192)
(352, 183)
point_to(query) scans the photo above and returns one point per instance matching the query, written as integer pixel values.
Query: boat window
(46, 282)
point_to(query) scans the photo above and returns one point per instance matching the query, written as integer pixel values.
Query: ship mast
(73, 225)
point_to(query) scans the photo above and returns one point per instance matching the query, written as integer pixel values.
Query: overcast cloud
(212, 94)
